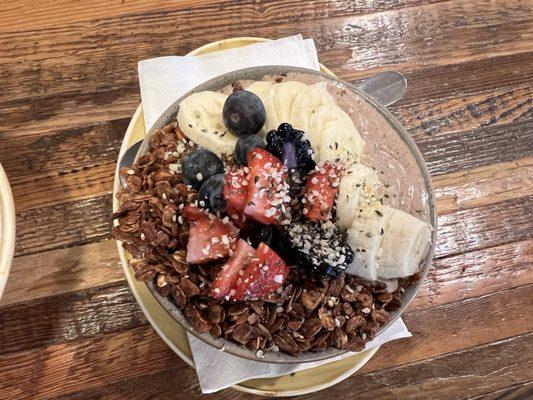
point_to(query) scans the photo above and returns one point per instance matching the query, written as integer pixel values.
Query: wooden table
(69, 326)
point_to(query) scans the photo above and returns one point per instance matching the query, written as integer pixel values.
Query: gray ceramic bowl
(372, 120)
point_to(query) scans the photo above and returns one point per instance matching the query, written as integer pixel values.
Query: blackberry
(291, 147)
(319, 247)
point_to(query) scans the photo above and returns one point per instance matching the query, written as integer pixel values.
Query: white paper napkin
(162, 81)
(218, 370)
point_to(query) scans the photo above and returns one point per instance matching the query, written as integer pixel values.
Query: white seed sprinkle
(143, 236)
(199, 176)
(365, 310)
(130, 172)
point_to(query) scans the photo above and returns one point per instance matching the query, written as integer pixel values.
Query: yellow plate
(175, 336)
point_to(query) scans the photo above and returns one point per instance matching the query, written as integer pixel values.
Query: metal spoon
(385, 87)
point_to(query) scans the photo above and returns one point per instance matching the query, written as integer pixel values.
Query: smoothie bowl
(279, 214)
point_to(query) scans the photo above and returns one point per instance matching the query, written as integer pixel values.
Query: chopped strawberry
(235, 192)
(267, 187)
(264, 275)
(321, 190)
(228, 275)
(193, 213)
(210, 239)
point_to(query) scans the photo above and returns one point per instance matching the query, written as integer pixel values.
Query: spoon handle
(385, 87)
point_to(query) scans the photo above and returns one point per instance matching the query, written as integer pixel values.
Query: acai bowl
(310, 310)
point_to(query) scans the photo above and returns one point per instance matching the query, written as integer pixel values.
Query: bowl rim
(257, 73)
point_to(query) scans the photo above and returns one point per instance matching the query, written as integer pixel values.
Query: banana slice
(283, 95)
(200, 118)
(306, 102)
(359, 186)
(340, 142)
(322, 115)
(262, 90)
(365, 237)
(405, 243)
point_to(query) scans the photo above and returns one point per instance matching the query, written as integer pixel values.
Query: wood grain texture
(59, 167)
(69, 326)
(489, 318)
(444, 377)
(484, 185)
(71, 316)
(476, 273)
(449, 153)
(481, 227)
(57, 13)
(63, 225)
(515, 392)
(61, 271)
(410, 39)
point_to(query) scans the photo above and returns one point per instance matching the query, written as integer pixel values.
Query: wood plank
(447, 153)
(476, 273)
(67, 367)
(63, 225)
(456, 80)
(485, 185)
(516, 392)
(470, 372)
(498, 365)
(101, 360)
(474, 323)
(49, 13)
(467, 112)
(59, 167)
(76, 67)
(482, 227)
(61, 271)
(72, 316)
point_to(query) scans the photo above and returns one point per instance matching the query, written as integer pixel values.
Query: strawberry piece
(226, 279)
(193, 213)
(235, 192)
(267, 187)
(264, 275)
(321, 190)
(210, 239)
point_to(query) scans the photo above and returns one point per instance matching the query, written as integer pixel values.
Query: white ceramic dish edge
(7, 229)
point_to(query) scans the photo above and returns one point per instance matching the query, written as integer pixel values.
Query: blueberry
(211, 193)
(244, 145)
(200, 165)
(244, 113)
(257, 233)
